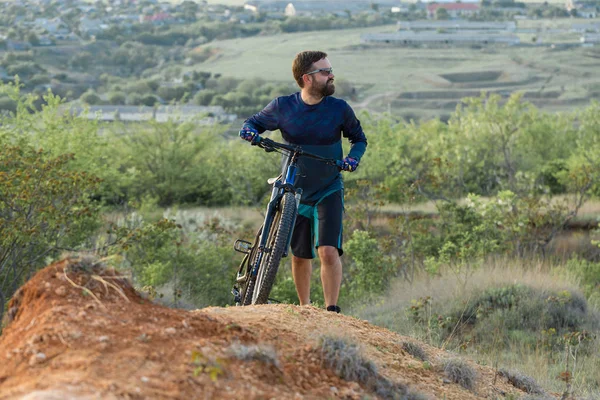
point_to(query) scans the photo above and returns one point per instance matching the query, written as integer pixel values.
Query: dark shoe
(334, 309)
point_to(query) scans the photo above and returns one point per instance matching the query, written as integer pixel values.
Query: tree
(91, 98)
(442, 14)
(82, 60)
(33, 39)
(204, 97)
(117, 98)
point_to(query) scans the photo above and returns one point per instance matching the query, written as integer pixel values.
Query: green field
(424, 81)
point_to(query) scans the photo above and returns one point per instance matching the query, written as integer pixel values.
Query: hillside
(77, 330)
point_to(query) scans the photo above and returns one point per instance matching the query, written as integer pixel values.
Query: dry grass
(255, 352)
(522, 381)
(448, 287)
(458, 371)
(415, 350)
(345, 359)
(541, 363)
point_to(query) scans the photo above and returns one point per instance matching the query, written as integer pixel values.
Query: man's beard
(327, 89)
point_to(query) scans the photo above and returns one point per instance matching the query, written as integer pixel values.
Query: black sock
(334, 309)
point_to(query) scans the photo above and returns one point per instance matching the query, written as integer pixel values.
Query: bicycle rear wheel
(275, 247)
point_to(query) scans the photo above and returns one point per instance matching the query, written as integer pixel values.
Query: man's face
(321, 81)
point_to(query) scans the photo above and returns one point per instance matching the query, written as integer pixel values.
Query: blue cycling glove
(249, 134)
(349, 164)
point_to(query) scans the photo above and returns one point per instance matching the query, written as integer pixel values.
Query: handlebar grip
(256, 140)
(339, 164)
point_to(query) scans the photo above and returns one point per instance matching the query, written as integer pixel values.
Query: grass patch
(521, 327)
(458, 371)
(521, 381)
(263, 353)
(346, 360)
(414, 350)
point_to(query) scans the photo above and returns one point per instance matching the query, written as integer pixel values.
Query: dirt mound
(78, 330)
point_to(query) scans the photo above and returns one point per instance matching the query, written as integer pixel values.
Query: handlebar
(271, 145)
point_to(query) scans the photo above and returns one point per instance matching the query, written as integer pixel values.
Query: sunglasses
(323, 71)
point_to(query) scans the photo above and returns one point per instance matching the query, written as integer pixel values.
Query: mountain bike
(256, 273)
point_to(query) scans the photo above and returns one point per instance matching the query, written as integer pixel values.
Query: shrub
(204, 97)
(369, 272)
(414, 350)
(8, 104)
(520, 381)
(263, 353)
(91, 98)
(44, 206)
(117, 98)
(458, 371)
(347, 362)
(587, 272)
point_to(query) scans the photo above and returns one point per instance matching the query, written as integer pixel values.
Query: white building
(290, 10)
(408, 38)
(456, 25)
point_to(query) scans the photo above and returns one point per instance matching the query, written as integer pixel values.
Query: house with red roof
(455, 10)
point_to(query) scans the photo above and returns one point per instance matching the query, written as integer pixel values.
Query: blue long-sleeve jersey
(318, 129)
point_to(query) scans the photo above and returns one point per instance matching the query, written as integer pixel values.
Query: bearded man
(315, 121)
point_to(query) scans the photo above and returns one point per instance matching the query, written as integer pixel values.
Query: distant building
(290, 10)
(456, 25)
(91, 27)
(322, 6)
(200, 114)
(158, 18)
(53, 26)
(583, 28)
(455, 10)
(14, 45)
(407, 38)
(581, 10)
(590, 38)
(251, 8)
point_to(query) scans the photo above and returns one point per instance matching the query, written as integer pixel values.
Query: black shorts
(324, 228)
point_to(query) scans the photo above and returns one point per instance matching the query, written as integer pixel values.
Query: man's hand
(349, 164)
(249, 134)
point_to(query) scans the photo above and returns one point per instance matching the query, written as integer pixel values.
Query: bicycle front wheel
(275, 247)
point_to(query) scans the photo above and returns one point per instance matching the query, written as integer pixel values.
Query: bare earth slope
(78, 331)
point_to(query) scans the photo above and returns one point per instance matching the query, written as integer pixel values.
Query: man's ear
(307, 79)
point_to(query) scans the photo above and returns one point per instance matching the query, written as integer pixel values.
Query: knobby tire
(276, 243)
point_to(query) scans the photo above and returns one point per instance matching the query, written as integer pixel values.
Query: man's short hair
(303, 63)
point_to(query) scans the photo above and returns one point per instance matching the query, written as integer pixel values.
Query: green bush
(44, 207)
(117, 98)
(188, 252)
(91, 98)
(517, 313)
(204, 97)
(587, 273)
(171, 93)
(369, 272)
(7, 104)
